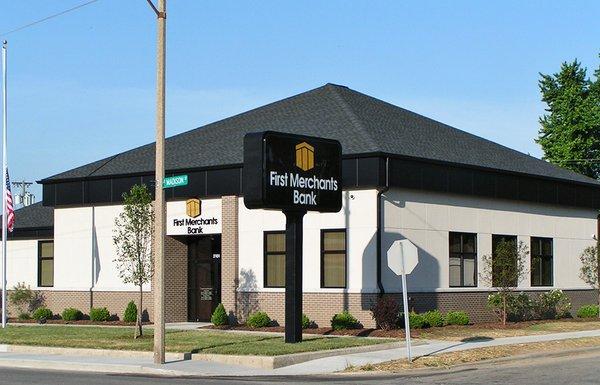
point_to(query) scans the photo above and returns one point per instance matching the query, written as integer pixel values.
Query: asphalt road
(580, 369)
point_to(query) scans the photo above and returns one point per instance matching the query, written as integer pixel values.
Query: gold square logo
(305, 156)
(193, 207)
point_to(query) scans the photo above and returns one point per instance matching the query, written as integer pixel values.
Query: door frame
(215, 249)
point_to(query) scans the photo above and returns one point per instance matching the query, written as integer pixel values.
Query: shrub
(260, 319)
(24, 316)
(385, 312)
(219, 316)
(344, 320)
(22, 297)
(42, 312)
(130, 314)
(553, 304)
(457, 318)
(433, 318)
(72, 314)
(520, 307)
(416, 320)
(306, 322)
(588, 311)
(99, 314)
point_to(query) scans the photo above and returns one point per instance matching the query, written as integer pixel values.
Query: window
(333, 258)
(46, 263)
(274, 259)
(541, 261)
(463, 260)
(496, 240)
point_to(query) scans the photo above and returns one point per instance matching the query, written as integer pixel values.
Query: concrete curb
(261, 362)
(275, 362)
(46, 350)
(88, 367)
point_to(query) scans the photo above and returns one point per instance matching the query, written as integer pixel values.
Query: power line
(48, 17)
(575, 160)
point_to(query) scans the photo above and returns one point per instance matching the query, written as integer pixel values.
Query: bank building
(404, 176)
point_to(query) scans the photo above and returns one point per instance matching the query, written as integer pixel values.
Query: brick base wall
(114, 301)
(320, 307)
(176, 280)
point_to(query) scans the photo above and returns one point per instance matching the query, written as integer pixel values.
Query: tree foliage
(503, 270)
(570, 132)
(133, 241)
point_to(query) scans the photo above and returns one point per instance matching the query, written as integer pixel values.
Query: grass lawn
(445, 360)
(458, 333)
(176, 341)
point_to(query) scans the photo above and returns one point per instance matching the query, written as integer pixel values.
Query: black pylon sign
(294, 174)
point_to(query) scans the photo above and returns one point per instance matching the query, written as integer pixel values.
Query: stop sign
(398, 250)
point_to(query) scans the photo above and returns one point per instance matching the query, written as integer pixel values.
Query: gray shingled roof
(360, 122)
(33, 216)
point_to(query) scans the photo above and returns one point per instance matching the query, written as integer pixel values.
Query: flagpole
(4, 233)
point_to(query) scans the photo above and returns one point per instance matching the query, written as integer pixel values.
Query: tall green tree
(133, 241)
(570, 132)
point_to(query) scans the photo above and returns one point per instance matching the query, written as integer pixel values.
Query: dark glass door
(204, 277)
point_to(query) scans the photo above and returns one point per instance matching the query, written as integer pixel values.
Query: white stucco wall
(21, 264)
(358, 216)
(426, 218)
(84, 252)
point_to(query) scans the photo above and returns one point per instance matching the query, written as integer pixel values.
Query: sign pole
(293, 275)
(406, 310)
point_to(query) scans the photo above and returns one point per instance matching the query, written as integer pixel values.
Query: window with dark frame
(274, 259)
(541, 261)
(46, 263)
(496, 239)
(333, 258)
(463, 259)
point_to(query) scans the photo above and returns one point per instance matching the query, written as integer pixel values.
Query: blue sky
(82, 85)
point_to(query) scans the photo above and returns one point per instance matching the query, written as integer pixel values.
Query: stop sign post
(403, 257)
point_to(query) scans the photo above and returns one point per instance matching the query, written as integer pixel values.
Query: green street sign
(175, 181)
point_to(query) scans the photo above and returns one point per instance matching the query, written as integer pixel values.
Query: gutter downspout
(380, 226)
(93, 281)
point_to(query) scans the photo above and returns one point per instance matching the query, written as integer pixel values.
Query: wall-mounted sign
(175, 181)
(194, 217)
(292, 172)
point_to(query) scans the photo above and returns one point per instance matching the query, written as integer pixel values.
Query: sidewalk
(319, 366)
(168, 325)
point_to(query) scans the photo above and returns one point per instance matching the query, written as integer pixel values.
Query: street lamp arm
(160, 15)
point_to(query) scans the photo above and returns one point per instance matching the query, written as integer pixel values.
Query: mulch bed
(80, 322)
(395, 333)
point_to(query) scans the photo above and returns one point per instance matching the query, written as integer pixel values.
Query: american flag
(10, 211)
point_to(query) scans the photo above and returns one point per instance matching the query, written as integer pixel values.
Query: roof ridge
(333, 88)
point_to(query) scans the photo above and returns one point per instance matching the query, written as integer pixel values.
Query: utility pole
(158, 288)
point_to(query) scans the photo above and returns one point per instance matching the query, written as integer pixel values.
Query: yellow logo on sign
(305, 156)
(193, 207)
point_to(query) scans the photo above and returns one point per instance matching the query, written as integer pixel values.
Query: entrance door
(204, 277)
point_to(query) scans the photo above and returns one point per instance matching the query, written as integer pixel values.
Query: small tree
(21, 297)
(133, 241)
(504, 269)
(589, 268)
